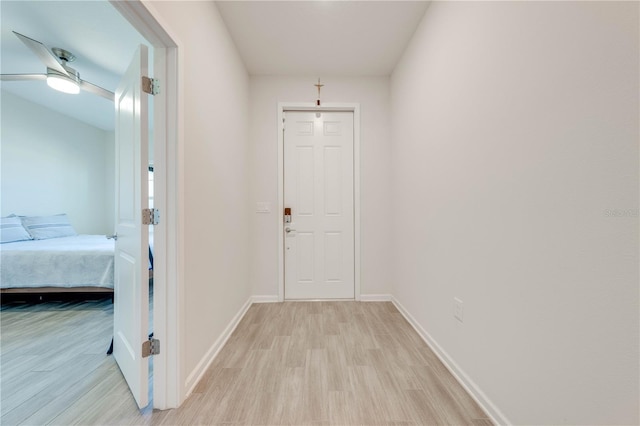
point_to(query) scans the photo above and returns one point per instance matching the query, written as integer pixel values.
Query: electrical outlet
(458, 309)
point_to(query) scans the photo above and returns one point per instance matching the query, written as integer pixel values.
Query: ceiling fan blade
(22, 77)
(42, 52)
(97, 90)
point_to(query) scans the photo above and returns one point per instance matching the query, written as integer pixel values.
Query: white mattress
(80, 261)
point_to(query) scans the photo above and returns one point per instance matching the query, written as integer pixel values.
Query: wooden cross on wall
(319, 86)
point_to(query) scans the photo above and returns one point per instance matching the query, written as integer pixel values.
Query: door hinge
(150, 216)
(150, 347)
(150, 85)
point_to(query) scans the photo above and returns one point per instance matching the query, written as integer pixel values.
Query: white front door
(131, 292)
(318, 188)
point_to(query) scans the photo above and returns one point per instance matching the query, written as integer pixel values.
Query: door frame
(168, 134)
(328, 107)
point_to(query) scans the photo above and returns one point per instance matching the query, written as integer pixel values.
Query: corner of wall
(200, 369)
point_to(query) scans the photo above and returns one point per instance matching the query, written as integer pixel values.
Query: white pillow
(44, 227)
(11, 230)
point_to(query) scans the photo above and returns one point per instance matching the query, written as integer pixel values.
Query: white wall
(515, 132)
(373, 95)
(215, 89)
(110, 182)
(54, 164)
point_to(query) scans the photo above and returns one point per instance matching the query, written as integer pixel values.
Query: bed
(80, 263)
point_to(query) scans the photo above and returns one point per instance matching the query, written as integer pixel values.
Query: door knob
(112, 237)
(288, 230)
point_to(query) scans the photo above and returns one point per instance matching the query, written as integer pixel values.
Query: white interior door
(318, 188)
(131, 304)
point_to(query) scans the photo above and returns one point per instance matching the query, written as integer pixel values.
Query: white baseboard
(266, 298)
(469, 385)
(197, 373)
(376, 298)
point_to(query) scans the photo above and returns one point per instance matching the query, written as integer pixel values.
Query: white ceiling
(337, 38)
(315, 38)
(94, 31)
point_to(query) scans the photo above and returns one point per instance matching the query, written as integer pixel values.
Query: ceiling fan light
(62, 83)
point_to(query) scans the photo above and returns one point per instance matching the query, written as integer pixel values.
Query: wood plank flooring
(294, 363)
(53, 354)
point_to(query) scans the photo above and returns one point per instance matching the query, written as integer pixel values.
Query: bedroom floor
(53, 362)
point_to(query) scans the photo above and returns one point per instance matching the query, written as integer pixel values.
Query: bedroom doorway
(168, 247)
(167, 164)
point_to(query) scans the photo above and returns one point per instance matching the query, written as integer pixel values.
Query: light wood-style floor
(294, 363)
(53, 358)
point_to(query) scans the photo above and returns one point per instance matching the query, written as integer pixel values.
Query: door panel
(305, 182)
(333, 255)
(305, 257)
(131, 278)
(318, 187)
(332, 181)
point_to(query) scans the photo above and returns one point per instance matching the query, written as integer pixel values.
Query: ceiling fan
(60, 75)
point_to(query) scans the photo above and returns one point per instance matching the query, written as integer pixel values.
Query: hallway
(327, 363)
(295, 363)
